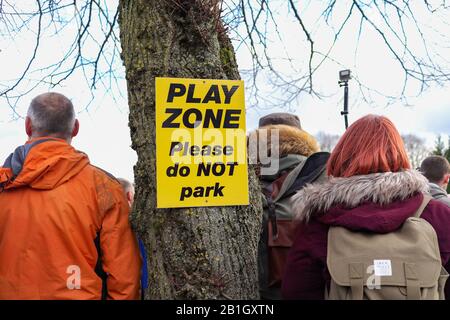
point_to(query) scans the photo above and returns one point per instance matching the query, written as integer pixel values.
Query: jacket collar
(434, 188)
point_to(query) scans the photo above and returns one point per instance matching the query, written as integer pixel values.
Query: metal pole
(346, 104)
(345, 112)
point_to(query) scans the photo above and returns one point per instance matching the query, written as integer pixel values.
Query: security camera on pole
(344, 77)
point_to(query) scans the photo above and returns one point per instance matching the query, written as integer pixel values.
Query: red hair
(372, 144)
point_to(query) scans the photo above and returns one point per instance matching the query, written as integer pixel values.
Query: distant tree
(439, 146)
(327, 141)
(447, 155)
(447, 151)
(416, 149)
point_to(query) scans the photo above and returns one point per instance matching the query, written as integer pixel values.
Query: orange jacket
(53, 206)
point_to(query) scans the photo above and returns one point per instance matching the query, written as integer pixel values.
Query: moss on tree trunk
(193, 253)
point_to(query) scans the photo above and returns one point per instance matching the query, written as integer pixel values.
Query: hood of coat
(291, 140)
(42, 163)
(378, 202)
(437, 192)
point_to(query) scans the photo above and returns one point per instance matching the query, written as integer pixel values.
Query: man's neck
(33, 138)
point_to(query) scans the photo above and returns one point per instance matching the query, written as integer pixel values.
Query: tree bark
(193, 253)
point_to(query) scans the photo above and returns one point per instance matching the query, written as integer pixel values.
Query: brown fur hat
(292, 140)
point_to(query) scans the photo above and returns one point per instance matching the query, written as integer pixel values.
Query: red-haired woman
(371, 188)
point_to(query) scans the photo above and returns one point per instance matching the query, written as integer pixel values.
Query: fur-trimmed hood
(379, 188)
(292, 140)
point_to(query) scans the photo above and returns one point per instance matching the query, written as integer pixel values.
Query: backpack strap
(308, 171)
(356, 275)
(412, 281)
(271, 206)
(272, 216)
(425, 201)
(289, 180)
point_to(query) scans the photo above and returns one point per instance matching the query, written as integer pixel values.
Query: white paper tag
(382, 267)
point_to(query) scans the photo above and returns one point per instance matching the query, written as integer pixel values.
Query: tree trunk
(193, 253)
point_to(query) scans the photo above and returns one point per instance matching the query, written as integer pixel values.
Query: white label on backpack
(382, 268)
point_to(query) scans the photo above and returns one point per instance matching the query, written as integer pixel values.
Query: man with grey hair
(64, 229)
(128, 189)
(437, 170)
(52, 115)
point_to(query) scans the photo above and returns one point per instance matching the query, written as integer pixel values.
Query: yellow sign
(201, 143)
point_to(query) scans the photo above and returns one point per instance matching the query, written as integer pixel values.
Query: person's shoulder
(108, 189)
(438, 214)
(104, 176)
(439, 206)
(445, 200)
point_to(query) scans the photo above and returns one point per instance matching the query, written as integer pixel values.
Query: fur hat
(291, 140)
(280, 118)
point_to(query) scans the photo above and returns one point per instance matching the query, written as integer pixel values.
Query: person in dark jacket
(372, 188)
(437, 170)
(294, 147)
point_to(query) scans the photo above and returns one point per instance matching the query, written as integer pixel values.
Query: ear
(447, 178)
(28, 127)
(129, 196)
(76, 128)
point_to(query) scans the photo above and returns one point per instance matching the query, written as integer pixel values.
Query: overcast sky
(104, 133)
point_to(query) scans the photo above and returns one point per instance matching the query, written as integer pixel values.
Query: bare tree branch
(272, 80)
(27, 68)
